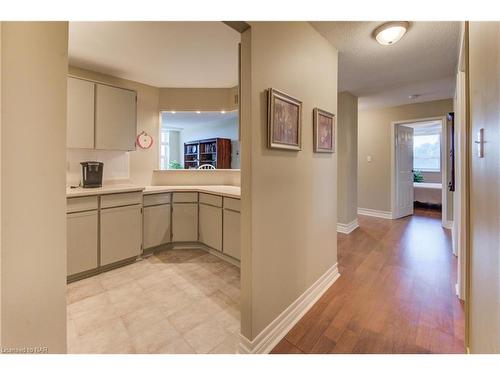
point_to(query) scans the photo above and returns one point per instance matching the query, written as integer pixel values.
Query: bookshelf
(214, 151)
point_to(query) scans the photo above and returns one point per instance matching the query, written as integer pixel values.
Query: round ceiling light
(390, 32)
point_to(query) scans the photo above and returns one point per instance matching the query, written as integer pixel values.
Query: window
(164, 148)
(427, 152)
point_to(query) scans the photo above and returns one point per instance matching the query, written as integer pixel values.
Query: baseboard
(279, 327)
(448, 224)
(347, 228)
(375, 213)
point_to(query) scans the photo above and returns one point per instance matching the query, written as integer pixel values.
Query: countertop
(224, 190)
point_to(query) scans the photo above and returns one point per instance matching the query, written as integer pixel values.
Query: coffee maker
(92, 174)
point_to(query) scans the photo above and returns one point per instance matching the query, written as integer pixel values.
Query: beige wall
(33, 212)
(374, 139)
(142, 162)
(347, 154)
(198, 99)
(484, 81)
(191, 177)
(289, 199)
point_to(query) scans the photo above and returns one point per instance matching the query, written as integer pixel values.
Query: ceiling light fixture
(198, 112)
(391, 32)
(222, 111)
(172, 112)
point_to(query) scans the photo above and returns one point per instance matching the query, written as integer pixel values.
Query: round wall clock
(144, 140)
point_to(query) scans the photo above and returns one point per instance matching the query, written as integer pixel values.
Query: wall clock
(144, 140)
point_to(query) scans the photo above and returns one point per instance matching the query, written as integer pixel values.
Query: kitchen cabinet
(121, 233)
(82, 241)
(231, 232)
(157, 225)
(184, 222)
(80, 114)
(115, 118)
(211, 226)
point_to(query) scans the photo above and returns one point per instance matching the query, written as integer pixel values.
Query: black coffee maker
(92, 174)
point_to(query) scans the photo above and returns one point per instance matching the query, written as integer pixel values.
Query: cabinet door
(156, 229)
(115, 118)
(121, 233)
(231, 245)
(185, 222)
(80, 115)
(81, 242)
(211, 226)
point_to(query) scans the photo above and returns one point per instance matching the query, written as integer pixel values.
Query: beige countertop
(225, 190)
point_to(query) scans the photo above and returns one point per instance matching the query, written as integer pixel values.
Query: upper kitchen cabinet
(80, 115)
(115, 118)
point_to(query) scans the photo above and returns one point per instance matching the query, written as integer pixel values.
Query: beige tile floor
(177, 301)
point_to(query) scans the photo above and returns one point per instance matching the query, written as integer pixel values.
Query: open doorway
(419, 170)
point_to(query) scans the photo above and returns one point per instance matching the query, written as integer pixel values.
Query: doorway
(419, 167)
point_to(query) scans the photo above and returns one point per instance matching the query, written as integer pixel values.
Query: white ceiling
(423, 62)
(161, 54)
(183, 120)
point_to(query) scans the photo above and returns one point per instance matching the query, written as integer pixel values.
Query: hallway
(396, 293)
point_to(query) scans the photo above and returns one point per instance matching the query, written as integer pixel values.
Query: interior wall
(142, 162)
(347, 128)
(198, 99)
(289, 198)
(484, 188)
(189, 177)
(374, 139)
(33, 212)
(432, 176)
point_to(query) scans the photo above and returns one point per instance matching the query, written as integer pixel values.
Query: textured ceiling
(161, 54)
(423, 62)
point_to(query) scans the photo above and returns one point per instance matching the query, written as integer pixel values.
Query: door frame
(444, 164)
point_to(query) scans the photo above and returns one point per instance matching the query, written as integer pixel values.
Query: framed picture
(284, 121)
(323, 131)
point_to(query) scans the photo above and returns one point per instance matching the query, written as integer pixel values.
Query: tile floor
(177, 301)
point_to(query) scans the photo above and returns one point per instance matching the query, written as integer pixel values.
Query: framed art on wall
(323, 131)
(284, 121)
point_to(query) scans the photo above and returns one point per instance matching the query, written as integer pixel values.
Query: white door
(404, 171)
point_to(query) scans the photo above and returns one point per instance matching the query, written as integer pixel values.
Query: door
(157, 227)
(80, 116)
(484, 188)
(115, 118)
(82, 242)
(404, 171)
(121, 233)
(184, 222)
(211, 226)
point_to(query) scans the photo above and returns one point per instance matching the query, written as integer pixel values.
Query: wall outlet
(369, 158)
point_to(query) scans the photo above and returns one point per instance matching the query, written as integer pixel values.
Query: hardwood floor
(396, 293)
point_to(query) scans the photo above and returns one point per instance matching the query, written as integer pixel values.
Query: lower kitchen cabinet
(231, 234)
(184, 222)
(82, 241)
(121, 233)
(211, 226)
(157, 225)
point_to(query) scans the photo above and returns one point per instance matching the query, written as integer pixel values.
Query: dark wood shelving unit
(214, 151)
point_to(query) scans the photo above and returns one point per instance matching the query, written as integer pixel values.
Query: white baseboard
(270, 336)
(347, 228)
(448, 224)
(375, 213)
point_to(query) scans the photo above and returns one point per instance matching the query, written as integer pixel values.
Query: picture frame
(323, 131)
(284, 121)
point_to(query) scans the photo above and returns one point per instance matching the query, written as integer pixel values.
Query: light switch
(369, 158)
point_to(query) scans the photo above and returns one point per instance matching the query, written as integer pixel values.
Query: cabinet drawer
(81, 204)
(121, 199)
(213, 200)
(156, 199)
(185, 197)
(232, 204)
